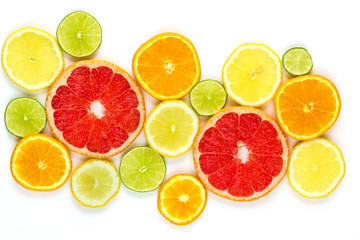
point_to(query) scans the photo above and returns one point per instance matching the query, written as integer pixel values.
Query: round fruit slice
(252, 74)
(40, 163)
(297, 61)
(316, 168)
(32, 58)
(142, 169)
(95, 182)
(241, 153)
(171, 127)
(95, 108)
(208, 97)
(24, 116)
(79, 34)
(182, 199)
(307, 106)
(167, 66)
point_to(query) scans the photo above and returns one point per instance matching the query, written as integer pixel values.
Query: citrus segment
(241, 153)
(24, 116)
(181, 199)
(167, 66)
(95, 108)
(32, 58)
(252, 74)
(142, 169)
(171, 128)
(95, 182)
(307, 106)
(316, 168)
(79, 34)
(40, 163)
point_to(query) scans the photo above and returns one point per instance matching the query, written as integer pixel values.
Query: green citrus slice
(79, 34)
(24, 116)
(208, 97)
(297, 61)
(142, 169)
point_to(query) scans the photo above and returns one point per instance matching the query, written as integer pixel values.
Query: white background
(329, 30)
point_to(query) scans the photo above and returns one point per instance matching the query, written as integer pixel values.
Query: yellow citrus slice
(182, 199)
(316, 168)
(32, 58)
(40, 163)
(252, 74)
(167, 66)
(171, 127)
(307, 106)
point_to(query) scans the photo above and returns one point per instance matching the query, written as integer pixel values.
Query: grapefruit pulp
(95, 108)
(241, 153)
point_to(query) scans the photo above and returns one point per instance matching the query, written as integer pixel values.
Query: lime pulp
(297, 61)
(142, 169)
(208, 97)
(79, 34)
(24, 116)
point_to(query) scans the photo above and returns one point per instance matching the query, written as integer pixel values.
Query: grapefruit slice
(95, 108)
(241, 153)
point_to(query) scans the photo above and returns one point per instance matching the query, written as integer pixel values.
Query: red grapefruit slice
(95, 108)
(241, 153)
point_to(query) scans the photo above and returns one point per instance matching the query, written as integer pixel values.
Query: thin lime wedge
(297, 61)
(208, 97)
(24, 116)
(142, 169)
(79, 34)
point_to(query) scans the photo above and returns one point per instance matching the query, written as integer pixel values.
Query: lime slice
(79, 34)
(297, 61)
(171, 127)
(142, 169)
(95, 182)
(24, 116)
(208, 97)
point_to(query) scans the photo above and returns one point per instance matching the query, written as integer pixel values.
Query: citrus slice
(142, 169)
(79, 34)
(24, 116)
(208, 97)
(40, 163)
(95, 182)
(252, 74)
(182, 199)
(32, 58)
(171, 127)
(241, 153)
(297, 61)
(95, 108)
(307, 106)
(167, 66)
(316, 168)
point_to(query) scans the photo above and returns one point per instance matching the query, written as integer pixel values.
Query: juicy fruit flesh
(307, 106)
(297, 61)
(241, 154)
(98, 127)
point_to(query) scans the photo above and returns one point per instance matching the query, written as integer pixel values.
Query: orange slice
(40, 163)
(307, 106)
(182, 199)
(167, 66)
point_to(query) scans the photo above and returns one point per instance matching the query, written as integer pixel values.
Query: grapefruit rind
(297, 187)
(62, 79)
(241, 109)
(278, 111)
(59, 145)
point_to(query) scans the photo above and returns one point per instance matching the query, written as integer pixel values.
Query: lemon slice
(171, 127)
(252, 74)
(32, 58)
(316, 168)
(95, 182)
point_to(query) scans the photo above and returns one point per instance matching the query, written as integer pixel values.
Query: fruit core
(314, 168)
(173, 128)
(169, 67)
(308, 107)
(243, 154)
(184, 198)
(97, 109)
(32, 59)
(78, 35)
(142, 169)
(41, 165)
